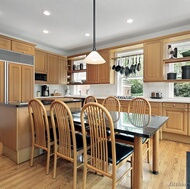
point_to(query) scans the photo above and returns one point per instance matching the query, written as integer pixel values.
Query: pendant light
(94, 57)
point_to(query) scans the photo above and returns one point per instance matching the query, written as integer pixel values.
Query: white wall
(52, 88)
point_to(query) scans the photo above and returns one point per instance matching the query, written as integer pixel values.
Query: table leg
(137, 162)
(155, 153)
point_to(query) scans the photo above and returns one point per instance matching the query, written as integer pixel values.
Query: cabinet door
(2, 81)
(27, 83)
(23, 48)
(40, 62)
(53, 69)
(153, 65)
(92, 73)
(177, 122)
(5, 43)
(14, 82)
(63, 70)
(156, 108)
(105, 69)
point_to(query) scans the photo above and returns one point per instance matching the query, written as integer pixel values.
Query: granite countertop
(45, 102)
(176, 100)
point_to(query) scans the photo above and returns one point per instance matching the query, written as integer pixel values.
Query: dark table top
(127, 123)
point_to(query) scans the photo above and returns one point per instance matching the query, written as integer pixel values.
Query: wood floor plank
(172, 172)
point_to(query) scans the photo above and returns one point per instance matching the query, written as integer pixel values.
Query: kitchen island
(15, 131)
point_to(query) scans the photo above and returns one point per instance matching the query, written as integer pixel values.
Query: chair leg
(132, 171)
(148, 151)
(74, 174)
(55, 165)
(32, 156)
(48, 162)
(84, 177)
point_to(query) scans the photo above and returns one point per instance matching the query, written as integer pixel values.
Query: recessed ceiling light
(46, 12)
(87, 34)
(129, 21)
(45, 31)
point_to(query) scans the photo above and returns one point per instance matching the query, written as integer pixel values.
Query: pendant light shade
(94, 57)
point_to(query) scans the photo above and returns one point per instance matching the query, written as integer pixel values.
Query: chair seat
(122, 151)
(126, 137)
(79, 141)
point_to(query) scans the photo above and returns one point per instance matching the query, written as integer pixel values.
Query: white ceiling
(70, 19)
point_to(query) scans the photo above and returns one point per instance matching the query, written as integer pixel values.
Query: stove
(124, 97)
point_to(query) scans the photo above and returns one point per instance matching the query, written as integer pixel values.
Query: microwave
(40, 77)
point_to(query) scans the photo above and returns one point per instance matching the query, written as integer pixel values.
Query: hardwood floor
(172, 172)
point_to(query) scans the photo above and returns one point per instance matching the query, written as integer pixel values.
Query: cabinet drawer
(23, 48)
(5, 43)
(176, 105)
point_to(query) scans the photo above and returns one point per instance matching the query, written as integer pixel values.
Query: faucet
(87, 91)
(80, 93)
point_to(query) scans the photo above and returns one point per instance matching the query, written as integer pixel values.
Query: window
(130, 84)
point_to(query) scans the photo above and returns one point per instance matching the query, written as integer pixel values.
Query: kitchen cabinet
(20, 82)
(124, 105)
(156, 109)
(63, 70)
(53, 69)
(178, 118)
(40, 62)
(5, 43)
(2, 81)
(153, 65)
(102, 73)
(22, 47)
(188, 123)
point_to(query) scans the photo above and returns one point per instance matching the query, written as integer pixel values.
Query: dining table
(130, 123)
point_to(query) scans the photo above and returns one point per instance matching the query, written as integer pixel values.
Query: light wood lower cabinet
(2, 81)
(156, 108)
(20, 82)
(178, 118)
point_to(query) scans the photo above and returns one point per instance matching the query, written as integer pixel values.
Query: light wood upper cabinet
(177, 122)
(27, 83)
(106, 74)
(14, 82)
(5, 43)
(23, 48)
(153, 65)
(20, 82)
(40, 62)
(2, 81)
(53, 69)
(63, 70)
(101, 73)
(91, 73)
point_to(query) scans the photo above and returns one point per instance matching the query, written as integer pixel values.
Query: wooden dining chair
(70, 143)
(90, 99)
(40, 130)
(112, 104)
(103, 152)
(139, 106)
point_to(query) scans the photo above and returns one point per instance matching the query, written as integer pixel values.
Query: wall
(52, 88)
